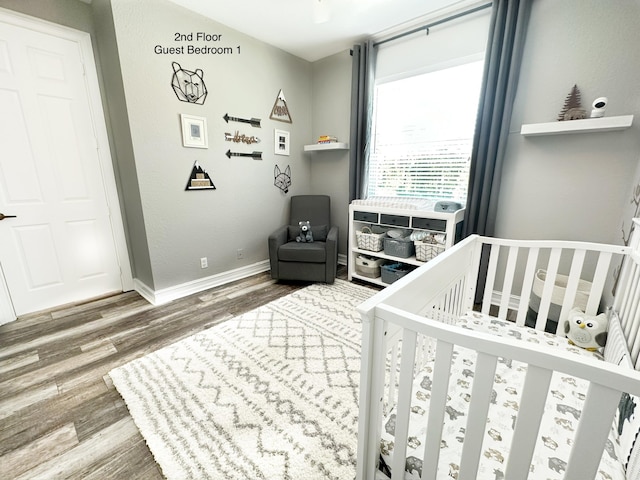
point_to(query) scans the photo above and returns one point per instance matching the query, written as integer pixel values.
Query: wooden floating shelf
(603, 124)
(319, 147)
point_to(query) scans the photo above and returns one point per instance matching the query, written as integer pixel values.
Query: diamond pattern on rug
(271, 394)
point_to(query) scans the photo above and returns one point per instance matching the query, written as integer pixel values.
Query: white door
(60, 246)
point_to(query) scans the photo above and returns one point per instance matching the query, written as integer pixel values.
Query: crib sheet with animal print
(557, 430)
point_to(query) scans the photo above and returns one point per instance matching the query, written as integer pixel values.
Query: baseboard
(165, 295)
(342, 259)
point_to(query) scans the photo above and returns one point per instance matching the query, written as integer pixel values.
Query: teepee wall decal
(280, 111)
(199, 179)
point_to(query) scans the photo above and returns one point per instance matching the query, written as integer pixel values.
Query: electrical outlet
(240, 254)
(203, 262)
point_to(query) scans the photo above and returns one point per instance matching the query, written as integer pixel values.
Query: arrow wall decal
(254, 122)
(254, 155)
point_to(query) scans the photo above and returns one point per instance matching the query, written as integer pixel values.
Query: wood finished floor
(60, 416)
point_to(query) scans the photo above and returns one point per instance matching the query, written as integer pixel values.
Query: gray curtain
(362, 85)
(509, 19)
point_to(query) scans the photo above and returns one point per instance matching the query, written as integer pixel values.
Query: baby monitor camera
(599, 106)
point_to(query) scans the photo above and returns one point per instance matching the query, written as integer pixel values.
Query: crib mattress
(562, 411)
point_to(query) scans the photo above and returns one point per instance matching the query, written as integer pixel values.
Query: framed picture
(281, 142)
(194, 131)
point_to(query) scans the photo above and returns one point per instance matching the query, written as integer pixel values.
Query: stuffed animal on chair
(305, 232)
(586, 331)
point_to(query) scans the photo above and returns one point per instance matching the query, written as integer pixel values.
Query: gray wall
(331, 116)
(182, 227)
(121, 143)
(573, 186)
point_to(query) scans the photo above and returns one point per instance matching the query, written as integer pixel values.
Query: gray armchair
(316, 261)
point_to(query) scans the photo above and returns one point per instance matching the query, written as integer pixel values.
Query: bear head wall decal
(187, 85)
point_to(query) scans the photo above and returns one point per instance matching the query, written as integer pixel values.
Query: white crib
(416, 324)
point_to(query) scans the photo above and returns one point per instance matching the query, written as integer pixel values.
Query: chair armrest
(332, 255)
(277, 238)
(332, 236)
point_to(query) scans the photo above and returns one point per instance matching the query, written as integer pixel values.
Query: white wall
(182, 227)
(573, 186)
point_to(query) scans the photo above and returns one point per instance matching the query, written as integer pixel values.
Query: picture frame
(194, 131)
(281, 142)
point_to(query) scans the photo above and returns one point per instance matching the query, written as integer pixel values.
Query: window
(422, 134)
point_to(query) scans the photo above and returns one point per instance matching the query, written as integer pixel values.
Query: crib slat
(630, 313)
(525, 294)
(635, 347)
(572, 288)
(478, 410)
(625, 293)
(491, 278)
(632, 302)
(435, 420)
(627, 278)
(458, 298)
(452, 297)
(547, 290)
(593, 429)
(508, 282)
(404, 404)
(632, 328)
(599, 278)
(632, 317)
(456, 307)
(392, 374)
(533, 399)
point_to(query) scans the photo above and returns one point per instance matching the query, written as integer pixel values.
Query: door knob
(3, 216)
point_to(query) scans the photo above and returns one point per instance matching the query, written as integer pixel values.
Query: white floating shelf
(604, 124)
(318, 147)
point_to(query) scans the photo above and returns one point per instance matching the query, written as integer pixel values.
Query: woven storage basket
(367, 240)
(426, 251)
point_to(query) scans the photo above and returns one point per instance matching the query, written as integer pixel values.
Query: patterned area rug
(271, 394)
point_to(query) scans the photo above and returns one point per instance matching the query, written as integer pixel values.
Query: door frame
(107, 171)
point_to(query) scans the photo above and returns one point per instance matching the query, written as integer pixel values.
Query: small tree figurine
(572, 107)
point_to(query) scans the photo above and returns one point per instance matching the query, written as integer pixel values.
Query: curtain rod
(438, 22)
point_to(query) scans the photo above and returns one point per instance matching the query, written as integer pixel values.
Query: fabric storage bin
(367, 240)
(394, 271)
(398, 247)
(426, 251)
(368, 266)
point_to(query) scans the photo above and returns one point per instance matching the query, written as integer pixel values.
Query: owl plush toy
(586, 331)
